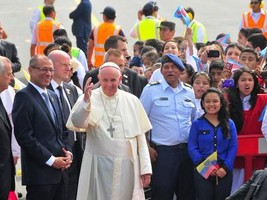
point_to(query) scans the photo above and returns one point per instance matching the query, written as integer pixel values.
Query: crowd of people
(94, 122)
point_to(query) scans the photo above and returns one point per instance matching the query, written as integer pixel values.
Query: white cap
(109, 64)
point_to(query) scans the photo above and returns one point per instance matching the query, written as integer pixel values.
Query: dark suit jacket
(72, 96)
(81, 16)
(129, 78)
(77, 146)
(7, 168)
(38, 136)
(77, 149)
(9, 50)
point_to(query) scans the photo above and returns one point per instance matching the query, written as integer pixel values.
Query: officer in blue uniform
(171, 108)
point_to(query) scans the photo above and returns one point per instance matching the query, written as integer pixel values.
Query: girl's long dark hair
(223, 114)
(235, 102)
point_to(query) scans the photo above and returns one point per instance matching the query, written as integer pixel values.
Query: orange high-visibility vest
(43, 33)
(101, 34)
(248, 22)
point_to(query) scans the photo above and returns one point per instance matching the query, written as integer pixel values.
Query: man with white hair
(7, 168)
(116, 163)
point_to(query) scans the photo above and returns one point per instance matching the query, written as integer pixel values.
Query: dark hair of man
(190, 10)
(216, 64)
(257, 40)
(223, 114)
(139, 43)
(50, 47)
(235, 102)
(245, 32)
(249, 50)
(112, 42)
(157, 44)
(63, 40)
(233, 45)
(59, 32)
(34, 61)
(254, 30)
(48, 10)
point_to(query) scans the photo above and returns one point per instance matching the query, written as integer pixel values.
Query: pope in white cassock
(116, 163)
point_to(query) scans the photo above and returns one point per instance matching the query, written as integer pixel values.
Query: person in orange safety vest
(99, 35)
(43, 31)
(256, 18)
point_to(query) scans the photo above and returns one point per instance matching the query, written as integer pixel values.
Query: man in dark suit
(129, 77)
(41, 133)
(81, 26)
(68, 96)
(9, 50)
(7, 168)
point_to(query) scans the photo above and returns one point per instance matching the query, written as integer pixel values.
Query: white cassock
(112, 165)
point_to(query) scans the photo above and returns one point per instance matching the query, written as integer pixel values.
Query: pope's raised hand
(88, 90)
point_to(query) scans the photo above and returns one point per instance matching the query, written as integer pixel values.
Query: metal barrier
(252, 150)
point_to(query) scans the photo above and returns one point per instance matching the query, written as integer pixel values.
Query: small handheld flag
(208, 165)
(223, 40)
(182, 14)
(235, 64)
(199, 64)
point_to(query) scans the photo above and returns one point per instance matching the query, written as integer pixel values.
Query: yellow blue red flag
(208, 165)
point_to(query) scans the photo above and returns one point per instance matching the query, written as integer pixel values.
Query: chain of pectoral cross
(111, 129)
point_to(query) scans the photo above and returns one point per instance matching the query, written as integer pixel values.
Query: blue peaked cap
(169, 57)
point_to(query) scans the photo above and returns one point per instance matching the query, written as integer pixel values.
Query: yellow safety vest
(148, 29)
(195, 26)
(42, 16)
(75, 52)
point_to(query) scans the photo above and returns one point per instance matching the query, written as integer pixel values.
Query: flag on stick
(182, 14)
(208, 165)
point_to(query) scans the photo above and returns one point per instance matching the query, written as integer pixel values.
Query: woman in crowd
(214, 131)
(246, 107)
(201, 82)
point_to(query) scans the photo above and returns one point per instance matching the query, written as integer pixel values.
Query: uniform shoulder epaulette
(188, 85)
(154, 83)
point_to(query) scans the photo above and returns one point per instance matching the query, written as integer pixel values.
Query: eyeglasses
(254, 2)
(44, 69)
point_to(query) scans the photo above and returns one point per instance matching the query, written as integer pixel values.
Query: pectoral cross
(111, 129)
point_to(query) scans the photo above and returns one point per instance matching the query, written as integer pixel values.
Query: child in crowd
(213, 132)
(201, 82)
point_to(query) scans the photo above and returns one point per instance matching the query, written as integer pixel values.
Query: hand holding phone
(213, 53)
